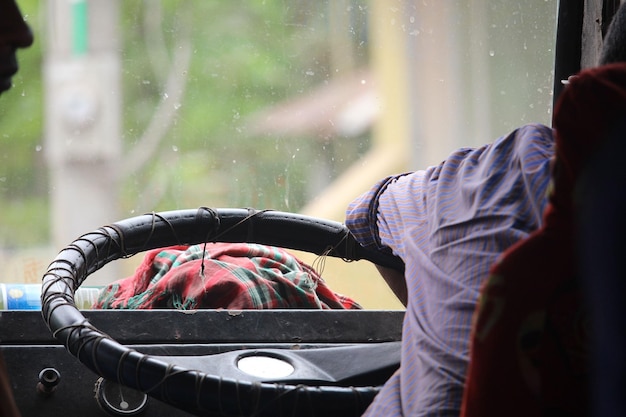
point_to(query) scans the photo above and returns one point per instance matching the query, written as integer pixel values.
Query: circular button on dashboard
(119, 400)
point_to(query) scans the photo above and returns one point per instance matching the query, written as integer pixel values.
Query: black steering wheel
(191, 390)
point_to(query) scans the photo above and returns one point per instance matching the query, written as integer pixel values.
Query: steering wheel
(187, 389)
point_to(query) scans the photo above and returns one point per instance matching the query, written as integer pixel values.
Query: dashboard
(336, 347)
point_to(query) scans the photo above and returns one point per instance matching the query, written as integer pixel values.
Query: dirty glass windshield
(127, 107)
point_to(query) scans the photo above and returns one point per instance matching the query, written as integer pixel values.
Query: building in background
(296, 105)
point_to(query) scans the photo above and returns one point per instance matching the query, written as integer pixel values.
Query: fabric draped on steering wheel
(222, 275)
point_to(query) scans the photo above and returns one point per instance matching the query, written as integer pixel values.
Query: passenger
(602, 229)
(14, 34)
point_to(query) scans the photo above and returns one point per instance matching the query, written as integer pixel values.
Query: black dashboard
(335, 348)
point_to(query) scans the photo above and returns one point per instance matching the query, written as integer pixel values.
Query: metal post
(568, 42)
(82, 111)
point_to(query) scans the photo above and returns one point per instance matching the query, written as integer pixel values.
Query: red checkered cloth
(222, 275)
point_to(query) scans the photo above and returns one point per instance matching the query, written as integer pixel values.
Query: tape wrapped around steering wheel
(191, 390)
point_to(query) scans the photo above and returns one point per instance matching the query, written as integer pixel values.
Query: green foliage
(24, 219)
(246, 56)
(25, 222)
(21, 118)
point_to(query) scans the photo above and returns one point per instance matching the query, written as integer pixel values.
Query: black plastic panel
(28, 346)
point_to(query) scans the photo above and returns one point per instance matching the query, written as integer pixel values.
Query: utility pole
(83, 100)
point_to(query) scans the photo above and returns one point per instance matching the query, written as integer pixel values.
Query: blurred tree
(245, 56)
(23, 201)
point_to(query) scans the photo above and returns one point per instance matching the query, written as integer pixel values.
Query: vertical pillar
(83, 117)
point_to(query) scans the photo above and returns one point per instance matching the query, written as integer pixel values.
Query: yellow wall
(389, 154)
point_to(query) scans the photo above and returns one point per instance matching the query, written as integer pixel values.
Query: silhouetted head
(14, 34)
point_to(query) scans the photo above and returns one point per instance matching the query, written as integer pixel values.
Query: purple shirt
(449, 223)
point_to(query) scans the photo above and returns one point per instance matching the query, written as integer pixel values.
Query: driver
(449, 223)
(14, 34)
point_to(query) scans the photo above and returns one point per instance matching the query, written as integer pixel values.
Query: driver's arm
(361, 220)
(395, 280)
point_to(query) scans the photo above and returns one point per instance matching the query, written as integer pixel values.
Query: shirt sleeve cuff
(362, 215)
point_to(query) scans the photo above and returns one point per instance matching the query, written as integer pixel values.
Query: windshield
(127, 107)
